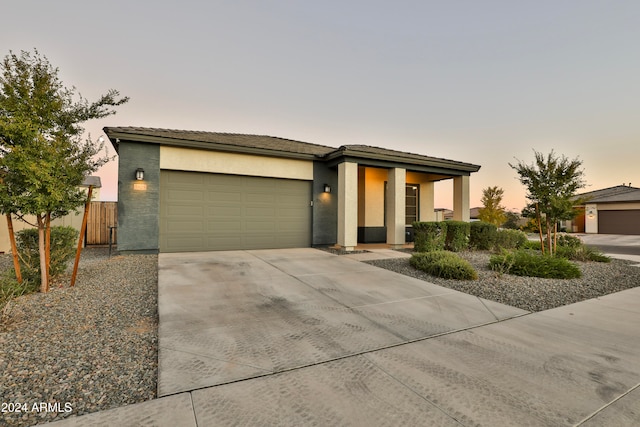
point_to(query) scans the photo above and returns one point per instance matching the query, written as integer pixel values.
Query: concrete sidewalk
(302, 337)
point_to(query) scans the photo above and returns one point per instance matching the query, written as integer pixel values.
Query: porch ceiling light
(327, 188)
(139, 174)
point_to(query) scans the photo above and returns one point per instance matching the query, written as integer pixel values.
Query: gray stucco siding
(325, 205)
(138, 201)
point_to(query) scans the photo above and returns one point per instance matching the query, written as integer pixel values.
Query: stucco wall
(74, 219)
(371, 208)
(325, 205)
(138, 201)
(176, 158)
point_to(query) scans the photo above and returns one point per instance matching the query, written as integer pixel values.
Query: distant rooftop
(619, 193)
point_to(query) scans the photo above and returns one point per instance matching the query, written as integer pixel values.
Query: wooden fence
(102, 215)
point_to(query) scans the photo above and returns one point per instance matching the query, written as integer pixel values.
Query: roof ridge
(204, 132)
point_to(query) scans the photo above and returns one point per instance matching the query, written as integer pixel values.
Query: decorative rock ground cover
(530, 293)
(83, 349)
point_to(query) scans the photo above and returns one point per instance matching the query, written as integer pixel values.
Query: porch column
(396, 210)
(347, 205)
(427, 204)
(461, 198)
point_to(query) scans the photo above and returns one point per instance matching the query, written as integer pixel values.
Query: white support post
(348, 205)
(461, 198)
(396, 209)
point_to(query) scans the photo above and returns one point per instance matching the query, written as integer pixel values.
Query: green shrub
(457, 237)
(482, 235)
(531, 264)
(581, 253)
(533, 245)
(10, 289)
(63, 243)
(566, 240)
(443, 264)
(510, 239)
(429, 236)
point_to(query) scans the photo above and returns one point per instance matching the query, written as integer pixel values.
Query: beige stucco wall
(71, 220)
(618, 206)
(186, 159)
(74, 219)
(591, 218)
(371, 200)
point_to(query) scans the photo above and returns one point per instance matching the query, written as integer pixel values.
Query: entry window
(412, 197)
(411, 202)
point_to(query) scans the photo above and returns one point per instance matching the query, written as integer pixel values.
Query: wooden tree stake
(82, 231)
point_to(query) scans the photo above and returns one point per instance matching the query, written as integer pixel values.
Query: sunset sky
(484, 82)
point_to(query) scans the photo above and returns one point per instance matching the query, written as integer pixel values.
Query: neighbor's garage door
(205, 212)
(619, 222)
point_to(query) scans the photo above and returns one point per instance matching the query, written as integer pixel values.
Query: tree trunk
(14, 249)
(540, 229)
(555, 237)
(549, 240)
(44, 278)
(47, 243)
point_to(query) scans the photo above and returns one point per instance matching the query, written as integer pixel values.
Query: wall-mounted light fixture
(327, 188)
(139, 174)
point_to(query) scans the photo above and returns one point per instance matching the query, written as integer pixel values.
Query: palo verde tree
(492, 211)
(551, 183)
(43, 154)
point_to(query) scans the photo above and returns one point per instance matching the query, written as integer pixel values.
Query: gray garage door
(619, 222)
(205, 212)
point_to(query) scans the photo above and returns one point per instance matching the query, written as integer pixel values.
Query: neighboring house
(613, 210)
(74, 219)
(201, 191)
(473, 214)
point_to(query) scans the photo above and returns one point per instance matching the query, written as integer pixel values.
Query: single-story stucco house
(613, 210)
(200, 191)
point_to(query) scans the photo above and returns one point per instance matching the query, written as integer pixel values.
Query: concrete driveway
(302, 337)
(228, 316)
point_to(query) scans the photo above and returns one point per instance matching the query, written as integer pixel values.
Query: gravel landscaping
(83, 349)
(530, 293)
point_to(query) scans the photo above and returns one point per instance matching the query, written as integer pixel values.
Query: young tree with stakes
(43, 157)
(551, 183)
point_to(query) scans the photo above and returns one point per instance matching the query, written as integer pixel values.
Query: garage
(619, 221)
(209, 211)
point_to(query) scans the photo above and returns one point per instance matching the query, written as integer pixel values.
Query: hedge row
(456, 236)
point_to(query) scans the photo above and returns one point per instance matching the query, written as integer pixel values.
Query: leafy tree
(491, 211)
(512, 220)
(552, 183)
(43, 156)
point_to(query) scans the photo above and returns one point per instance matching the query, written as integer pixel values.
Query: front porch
(378, 205)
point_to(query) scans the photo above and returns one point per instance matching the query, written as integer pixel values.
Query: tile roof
(270, 145)
(377, 151)
(231, 139)
(619, 193)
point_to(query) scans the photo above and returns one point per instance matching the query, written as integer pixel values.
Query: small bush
(510, 239)
(482, 235)
(63, 241)
(566, 240)
(10, 289)
(581, 253)
(531, 264)
(443, 264)
(457, 238)
(429, 236)
(533, 245)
